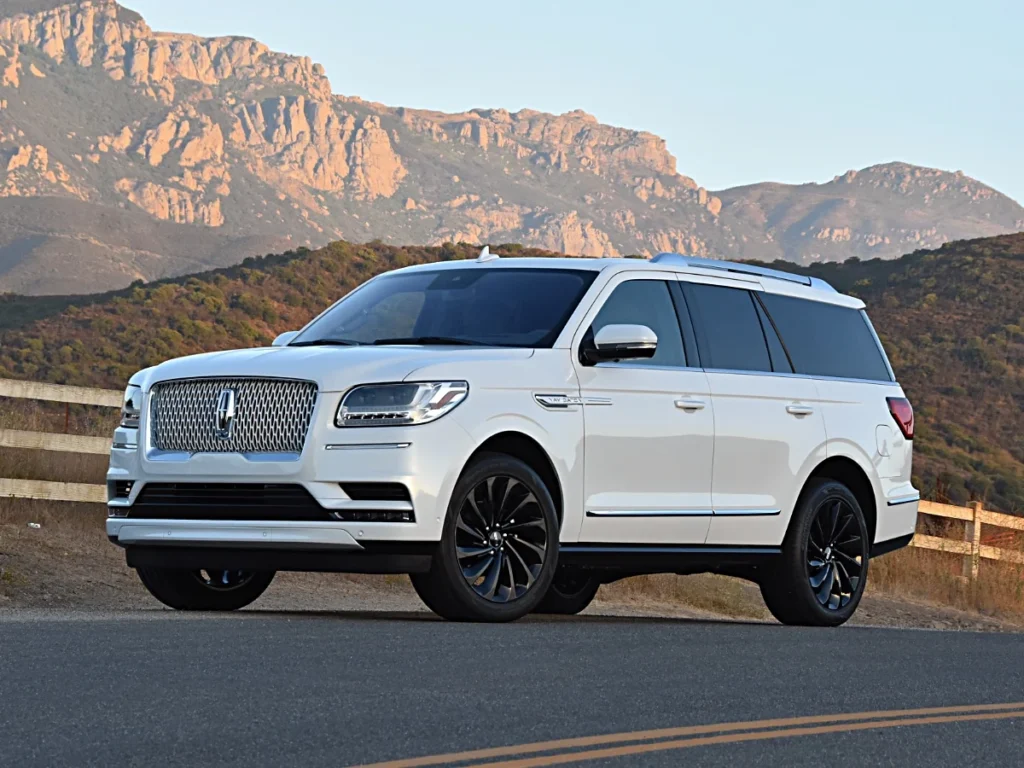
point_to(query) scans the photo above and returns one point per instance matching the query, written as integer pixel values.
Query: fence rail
(970, 546)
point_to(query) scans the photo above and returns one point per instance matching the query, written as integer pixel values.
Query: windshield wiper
(326, 343)
(429, 340)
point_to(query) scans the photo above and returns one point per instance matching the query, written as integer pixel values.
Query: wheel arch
(845, 470)
(521, 446)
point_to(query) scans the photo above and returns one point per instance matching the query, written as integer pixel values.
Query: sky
(742, 91)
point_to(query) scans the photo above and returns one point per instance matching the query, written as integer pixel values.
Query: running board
(659, 558)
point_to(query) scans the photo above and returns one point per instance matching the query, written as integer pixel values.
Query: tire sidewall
(472, 605)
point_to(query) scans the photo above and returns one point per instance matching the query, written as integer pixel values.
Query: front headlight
(392, 405)
(132, 407)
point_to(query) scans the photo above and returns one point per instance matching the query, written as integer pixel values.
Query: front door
(649, 425)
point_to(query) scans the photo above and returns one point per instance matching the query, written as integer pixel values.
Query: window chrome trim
(904, 500)
(811, 377)
(649, 513)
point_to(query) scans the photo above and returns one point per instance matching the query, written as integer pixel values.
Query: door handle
(799, 410)
(688, 404)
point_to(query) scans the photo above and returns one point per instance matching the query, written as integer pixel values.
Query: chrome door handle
(690, 405)
(799, 410)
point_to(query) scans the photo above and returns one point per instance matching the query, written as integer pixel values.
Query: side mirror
(284, 338)
(620, 342)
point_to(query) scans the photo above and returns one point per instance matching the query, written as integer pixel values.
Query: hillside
(951, 319)
(142, 155)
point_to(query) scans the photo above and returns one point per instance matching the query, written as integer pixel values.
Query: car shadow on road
(425, 617)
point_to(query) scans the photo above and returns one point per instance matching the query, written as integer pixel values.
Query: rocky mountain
(130, 154)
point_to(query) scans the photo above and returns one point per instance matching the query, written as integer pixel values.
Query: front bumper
(425, 459)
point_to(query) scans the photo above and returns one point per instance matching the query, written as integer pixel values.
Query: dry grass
(936, 577)
(703, 593)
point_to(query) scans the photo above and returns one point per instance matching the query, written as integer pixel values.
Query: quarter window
(728, 328)
(646, 302)
(826, 339)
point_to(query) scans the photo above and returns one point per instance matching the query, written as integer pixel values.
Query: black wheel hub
(223, 581)
(836, 555)
(501, 539)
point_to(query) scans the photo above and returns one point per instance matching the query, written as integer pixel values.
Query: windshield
(505, 307)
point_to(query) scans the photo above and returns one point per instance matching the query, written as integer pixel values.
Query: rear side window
(646, 302)
(729, 331)
(827, 340)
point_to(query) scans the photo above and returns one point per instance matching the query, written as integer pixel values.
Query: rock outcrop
(240, 144)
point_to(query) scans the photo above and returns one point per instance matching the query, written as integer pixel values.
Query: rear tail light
(903, 412)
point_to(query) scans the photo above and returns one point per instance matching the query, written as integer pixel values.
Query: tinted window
(827, 340)
(728, 328)
(646, 302)
(498, 306)
(780, 362)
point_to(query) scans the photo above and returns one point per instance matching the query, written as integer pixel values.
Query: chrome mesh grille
(271, 415)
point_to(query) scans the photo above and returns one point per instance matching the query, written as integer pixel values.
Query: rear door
(649, 424)
(768, 421)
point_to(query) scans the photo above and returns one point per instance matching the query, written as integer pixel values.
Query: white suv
(513, 433)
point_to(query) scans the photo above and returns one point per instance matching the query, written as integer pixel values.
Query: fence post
(972, 534)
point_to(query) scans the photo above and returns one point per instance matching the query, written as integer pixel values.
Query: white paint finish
(763, 452)
(643, 452)
(625, 335)
(645, 443)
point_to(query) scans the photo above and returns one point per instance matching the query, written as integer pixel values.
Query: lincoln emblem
(225, 416)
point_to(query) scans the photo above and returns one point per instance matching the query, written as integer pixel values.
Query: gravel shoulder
(67, 568)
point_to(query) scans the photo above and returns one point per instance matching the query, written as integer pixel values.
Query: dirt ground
(66, 565)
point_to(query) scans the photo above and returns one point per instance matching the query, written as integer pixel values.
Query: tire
(570, 592)
(204, 590)
(821, 574)
(499, 546)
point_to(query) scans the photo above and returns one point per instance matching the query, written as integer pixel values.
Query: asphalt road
(273, 689)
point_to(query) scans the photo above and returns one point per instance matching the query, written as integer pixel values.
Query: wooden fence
(970, 546)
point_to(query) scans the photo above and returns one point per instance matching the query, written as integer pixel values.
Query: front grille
(270, 415)
(227, 501)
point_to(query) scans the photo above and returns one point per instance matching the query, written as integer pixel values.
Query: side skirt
(891, 545)
(638, 559)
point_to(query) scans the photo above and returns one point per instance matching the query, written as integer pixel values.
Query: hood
(334, 369)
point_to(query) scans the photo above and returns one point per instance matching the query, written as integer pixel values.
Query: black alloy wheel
(572, 590)
(819, 578)
(836, 554)
(223, 581)
(499, 546)
(501, 539)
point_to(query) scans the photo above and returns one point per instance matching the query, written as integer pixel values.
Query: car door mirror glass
(284, 338)
(622, 342)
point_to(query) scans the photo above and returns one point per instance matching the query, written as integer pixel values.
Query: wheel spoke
(511, 579)
(530, 578)
(524, 524)
(509, 485)
(493, 574)
(464, 552)
(833, 521)
(463, 526)
(538, 549)
(471, 500)
(820, 577)
(825, 588)
(492, 508)
(529, 499)
(474, 572)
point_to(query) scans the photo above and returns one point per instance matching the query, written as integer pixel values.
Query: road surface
(336, 689)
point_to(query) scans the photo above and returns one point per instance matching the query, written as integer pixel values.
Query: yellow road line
(691, 730)
(736, 738)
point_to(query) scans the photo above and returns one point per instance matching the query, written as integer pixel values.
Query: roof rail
(737, 267)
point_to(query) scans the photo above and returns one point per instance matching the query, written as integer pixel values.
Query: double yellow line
(633, 743)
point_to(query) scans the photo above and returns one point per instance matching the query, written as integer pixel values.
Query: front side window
(729, 331)
(646, 302)
(826, 339)
(480, 306)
